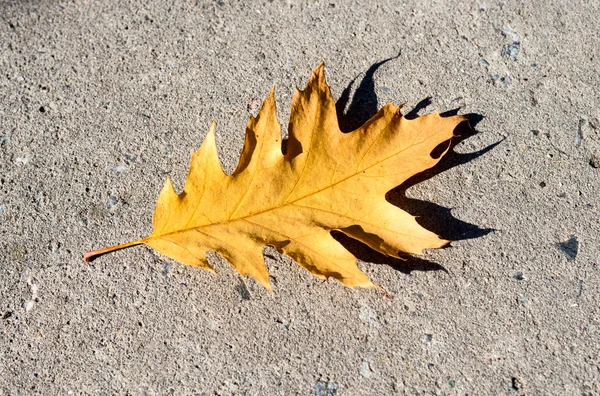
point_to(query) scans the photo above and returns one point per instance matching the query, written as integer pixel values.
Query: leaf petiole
(93, 254)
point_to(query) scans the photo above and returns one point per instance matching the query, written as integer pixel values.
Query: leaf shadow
(405, 264)
(364, 101)
(432, 216)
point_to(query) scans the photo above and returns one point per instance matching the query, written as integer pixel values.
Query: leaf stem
(93, 254)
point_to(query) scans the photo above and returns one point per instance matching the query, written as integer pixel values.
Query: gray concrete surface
(99, 101)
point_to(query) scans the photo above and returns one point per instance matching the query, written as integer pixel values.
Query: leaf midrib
(231, 220)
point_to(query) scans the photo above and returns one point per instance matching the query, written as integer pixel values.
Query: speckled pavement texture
(101, 100)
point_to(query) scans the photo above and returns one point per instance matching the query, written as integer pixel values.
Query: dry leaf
(327, 180)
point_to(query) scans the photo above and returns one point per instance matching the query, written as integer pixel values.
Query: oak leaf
(327, 180)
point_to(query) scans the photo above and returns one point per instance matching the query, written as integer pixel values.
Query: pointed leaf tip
(208, 150)
(168, 186)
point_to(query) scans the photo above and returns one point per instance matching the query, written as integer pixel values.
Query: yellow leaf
(327, 180)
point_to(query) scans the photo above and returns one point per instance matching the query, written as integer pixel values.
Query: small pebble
(112, 201)
(129, 158)
(365, 370)
(483, 63)
(595, 161)
(366, 315)
(511, 33)
(22, 160)
(119, 168)
(326, 388)
(166, 269)
(512, 50)
(515, 384)
(28, 305)
(519, 276)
